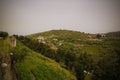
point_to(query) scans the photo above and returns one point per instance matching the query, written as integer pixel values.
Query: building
(40, 39)
(53, 47)
(103, 35)
(89, 37)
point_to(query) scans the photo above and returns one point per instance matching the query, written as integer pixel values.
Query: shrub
(19, 54)
(3, 34)
(98, 36)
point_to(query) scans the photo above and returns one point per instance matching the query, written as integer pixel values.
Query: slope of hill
(29, 65)
(86, 42)
(89, 56)
(55, 38)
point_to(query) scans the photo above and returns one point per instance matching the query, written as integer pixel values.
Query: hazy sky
(32, 16)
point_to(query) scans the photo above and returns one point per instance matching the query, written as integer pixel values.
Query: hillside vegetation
(34, 66)
(29, 65)
(89, 56)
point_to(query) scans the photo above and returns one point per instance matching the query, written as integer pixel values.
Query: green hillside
(89, 56)
(30, 65)
(86, 42)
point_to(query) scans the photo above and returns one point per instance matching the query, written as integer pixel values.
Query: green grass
(5, 45)
(30, 65)
(34, 66)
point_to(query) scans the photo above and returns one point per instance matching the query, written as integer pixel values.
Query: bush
(19, 54)
(98, 36)
(3, 34)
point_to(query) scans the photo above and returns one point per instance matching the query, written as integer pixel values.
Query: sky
(24, 17)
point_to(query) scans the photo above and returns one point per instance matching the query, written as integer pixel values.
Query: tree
(3, 34)
(84, 62)
(98, 36)
(107, 68)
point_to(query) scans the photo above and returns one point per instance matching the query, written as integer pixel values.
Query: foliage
(3, 34)
(19, 54)
(38, 67)
(107, 68)
(98, 36)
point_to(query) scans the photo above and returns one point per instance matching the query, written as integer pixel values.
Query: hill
(89, 56)
(26, 64)
(113, 34)
(86, 42)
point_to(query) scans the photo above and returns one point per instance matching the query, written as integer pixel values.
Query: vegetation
(113, 34)
(3, 34)
(98, 36)
(31, 65)
(87, 55)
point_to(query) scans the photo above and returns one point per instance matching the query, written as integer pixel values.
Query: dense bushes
(19, 54)
(3, 34)
(108, 67)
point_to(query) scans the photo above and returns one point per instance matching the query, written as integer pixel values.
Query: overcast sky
(32, 16)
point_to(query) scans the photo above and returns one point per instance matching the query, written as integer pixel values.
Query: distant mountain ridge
(113, 34)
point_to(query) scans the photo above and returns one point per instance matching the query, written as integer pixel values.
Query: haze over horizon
(32, 16)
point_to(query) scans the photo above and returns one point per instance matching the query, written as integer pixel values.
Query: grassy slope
(38, 67)
(5, 46)
(34, 66)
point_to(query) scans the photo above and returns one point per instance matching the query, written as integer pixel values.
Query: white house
(40, 39)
